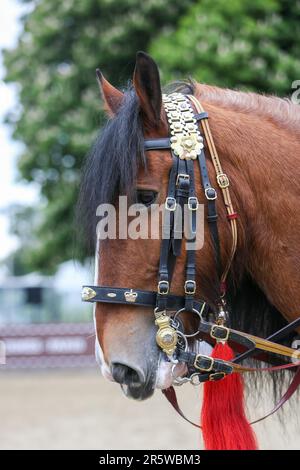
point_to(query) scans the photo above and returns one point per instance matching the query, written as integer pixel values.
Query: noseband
(186, 145)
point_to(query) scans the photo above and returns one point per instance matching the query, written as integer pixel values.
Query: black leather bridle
(181, 191)
(181, 194)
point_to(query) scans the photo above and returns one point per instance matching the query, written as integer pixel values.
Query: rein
(186, 145)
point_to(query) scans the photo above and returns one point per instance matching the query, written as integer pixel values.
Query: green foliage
(251, 44)
(54, 65)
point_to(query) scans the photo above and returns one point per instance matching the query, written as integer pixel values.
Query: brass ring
(197, 313)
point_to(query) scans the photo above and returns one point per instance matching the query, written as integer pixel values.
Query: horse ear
(146, 82)
(112, 97)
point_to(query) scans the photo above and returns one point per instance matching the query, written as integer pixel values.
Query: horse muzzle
(134, 382)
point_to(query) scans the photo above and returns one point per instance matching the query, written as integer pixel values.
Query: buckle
(163, 287)
(217, 376)
(170, 203)
(218, 328)
(190, 287)
(193, 203)
(205, 360)
(183, 176)
(223, 180)
(210, 194)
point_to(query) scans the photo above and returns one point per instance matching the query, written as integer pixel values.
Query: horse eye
(146, 197)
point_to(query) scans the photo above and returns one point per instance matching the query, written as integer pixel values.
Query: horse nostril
(124, 374)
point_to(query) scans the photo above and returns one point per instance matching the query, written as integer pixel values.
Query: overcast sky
(11, 191)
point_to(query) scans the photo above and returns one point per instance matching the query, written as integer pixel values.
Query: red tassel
(224, 422)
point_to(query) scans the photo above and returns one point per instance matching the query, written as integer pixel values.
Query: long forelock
(112, 164)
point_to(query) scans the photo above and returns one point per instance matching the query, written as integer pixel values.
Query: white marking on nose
(105, 370)
(165, 378)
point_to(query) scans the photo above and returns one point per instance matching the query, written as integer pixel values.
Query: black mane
(111, 166)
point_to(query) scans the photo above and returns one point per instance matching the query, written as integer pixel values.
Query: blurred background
(52, 395)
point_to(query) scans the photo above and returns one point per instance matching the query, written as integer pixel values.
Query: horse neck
(259, 157)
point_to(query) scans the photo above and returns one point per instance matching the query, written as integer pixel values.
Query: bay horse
(258, 142)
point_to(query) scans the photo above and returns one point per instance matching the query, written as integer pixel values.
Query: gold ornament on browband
(186, 140)
(130, 296)
(87, 293)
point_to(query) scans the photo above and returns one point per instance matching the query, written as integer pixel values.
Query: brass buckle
(162, 284)
(208, 358)
(217, 376)
(170, 203)
(87, 294)
(191, 200)
(210, 198)
(213, 335)
(223, 180)
(193, 291)
(182, 175)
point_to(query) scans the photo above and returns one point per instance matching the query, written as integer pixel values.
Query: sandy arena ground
(80, 410)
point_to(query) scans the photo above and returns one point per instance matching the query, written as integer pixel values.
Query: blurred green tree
(54, 64)
(250, 44)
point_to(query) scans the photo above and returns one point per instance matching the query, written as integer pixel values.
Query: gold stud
(130, 296)
(87, 293)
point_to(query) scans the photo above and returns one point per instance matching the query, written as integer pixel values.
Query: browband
(157, 144)
(164, 142)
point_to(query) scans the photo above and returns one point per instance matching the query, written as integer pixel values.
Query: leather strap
(164, 142)
(164, 274)
(223, 183)
(205, 363)
(157, 144)
(283, 332)
(190, 266)
(170, 395)
(212, 216)
(270, 346)
(182, 193)
(295, 383)
(144, 298)
(200, 116)
(220, 333)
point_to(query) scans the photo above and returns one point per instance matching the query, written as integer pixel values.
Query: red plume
(224, 422)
